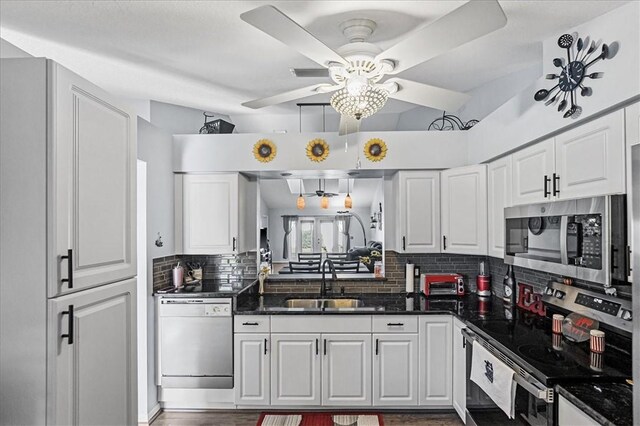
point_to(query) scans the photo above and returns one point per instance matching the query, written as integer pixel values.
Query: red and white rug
(320, 419)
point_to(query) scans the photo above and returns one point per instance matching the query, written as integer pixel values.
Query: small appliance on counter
(442, 284)
(483, 282)
(509, 284)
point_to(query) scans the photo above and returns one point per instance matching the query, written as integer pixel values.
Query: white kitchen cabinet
(92, 367)
(590, 159)
(499, 197)
(252, 365)
(346, 369)
(418, 211)
(395, 369)
(464, 210)
(532, 171)
(435, 361)
(295, 369)
(632, 124)
(459, 369)
(93, 204)
(570, 415)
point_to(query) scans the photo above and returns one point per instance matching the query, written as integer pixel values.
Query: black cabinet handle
(317, 347)
(444, 242)
(404, 243)
(234, 244)
(629, 269)
(69, 279)
(69, 335)
(546, 186)
(614, 252)
(325, 346)
(395, 324)
(377, 343)
(556, 190)
(250, 323)
(265, 346)
(464, 343)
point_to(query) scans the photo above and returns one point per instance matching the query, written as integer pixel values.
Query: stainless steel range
(540, 360)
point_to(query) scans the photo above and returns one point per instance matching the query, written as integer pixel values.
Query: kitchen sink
(323, 303)
(304, 303)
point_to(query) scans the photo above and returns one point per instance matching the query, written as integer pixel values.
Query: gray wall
(8, 50)
(155, 148)
(178, 120)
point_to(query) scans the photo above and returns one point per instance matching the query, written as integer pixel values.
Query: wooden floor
(249, 418)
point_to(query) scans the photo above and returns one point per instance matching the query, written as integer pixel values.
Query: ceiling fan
(358, 69)
(320, 192)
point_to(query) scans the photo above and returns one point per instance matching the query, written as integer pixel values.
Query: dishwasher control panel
(194, 307)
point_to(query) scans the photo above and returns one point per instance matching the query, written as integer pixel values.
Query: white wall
(522, 120)
(276, 229)
(406, 150)
(176, 119)
(154, 147)
(377, 234)
(8, 50)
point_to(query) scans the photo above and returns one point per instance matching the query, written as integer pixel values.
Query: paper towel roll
(408, 276)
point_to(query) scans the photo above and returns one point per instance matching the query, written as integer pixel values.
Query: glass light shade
(324, 202)
(356, 85)
(300, 203)
(348, 203)
(367, 103)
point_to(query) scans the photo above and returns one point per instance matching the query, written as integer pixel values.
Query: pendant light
(324, 202)
(300, 203)
(348, 203)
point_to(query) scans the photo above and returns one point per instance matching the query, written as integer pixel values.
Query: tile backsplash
(224, 267)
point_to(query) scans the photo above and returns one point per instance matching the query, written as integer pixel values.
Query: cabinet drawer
(321, 324)
(395, 324)
(251, 323)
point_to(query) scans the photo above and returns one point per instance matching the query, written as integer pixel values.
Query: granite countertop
(609, 404)
(211, 288)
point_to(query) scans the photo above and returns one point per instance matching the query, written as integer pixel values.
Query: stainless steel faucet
(334, 276)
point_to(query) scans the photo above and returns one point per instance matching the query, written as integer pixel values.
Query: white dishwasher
(195, 343)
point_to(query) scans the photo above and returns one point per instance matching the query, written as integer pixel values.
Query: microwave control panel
(585, 241)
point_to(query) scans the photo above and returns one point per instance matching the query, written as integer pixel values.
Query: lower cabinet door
(395, 365)
(459, 370)
(435, 363)
(295, 369)
(251, 369)
(346, 369)
(92, 356)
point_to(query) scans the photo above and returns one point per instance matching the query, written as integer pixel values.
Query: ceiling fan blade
(272, 21)
(290, 96)
(348, 125)
(429, 96)
(468, 22)
(310, 72)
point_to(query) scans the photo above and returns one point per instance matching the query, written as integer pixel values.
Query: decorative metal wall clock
(317, 150)
(264, 150)
(375, 149)
(572, 74)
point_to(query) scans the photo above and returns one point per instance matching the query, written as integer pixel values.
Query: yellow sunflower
(264, 150)
(375, 149)
(317, 150)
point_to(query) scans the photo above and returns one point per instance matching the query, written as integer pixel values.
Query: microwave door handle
(564, 255)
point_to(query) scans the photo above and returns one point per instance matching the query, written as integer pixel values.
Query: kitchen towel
(495, 378)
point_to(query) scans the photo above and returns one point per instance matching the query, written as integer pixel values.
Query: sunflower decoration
(264, 150)
(375, 149)
(317, 150)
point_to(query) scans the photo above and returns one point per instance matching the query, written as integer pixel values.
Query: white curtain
(287, 222)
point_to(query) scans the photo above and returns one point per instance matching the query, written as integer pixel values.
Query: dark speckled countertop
(609, 404)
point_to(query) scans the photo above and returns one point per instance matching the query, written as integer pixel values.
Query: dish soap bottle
(509, 283)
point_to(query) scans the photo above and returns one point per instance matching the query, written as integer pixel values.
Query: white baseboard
(151, 416)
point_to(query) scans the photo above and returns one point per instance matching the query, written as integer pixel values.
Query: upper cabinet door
(418, 212)
(210, 214)
(346, 369)
(464, 210)
(92, 198)
(590, 159)
(92, 357)
(532, 173)
(632, 121)
(499, 192)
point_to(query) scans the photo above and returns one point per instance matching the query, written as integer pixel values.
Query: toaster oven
(442, 284)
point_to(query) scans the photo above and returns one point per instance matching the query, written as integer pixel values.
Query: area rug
(320, 419)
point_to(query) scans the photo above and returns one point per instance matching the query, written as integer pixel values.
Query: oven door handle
(531, 385)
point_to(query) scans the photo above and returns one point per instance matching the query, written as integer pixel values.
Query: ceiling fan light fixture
(356, 85)
(324, 202)
(370, 101)
(300, 203)
(348, 202)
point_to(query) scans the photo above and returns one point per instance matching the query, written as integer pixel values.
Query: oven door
(534, 401)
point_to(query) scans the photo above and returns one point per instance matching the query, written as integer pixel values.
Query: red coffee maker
(483, 282)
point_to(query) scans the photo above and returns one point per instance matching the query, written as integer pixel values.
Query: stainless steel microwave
(585, 239)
